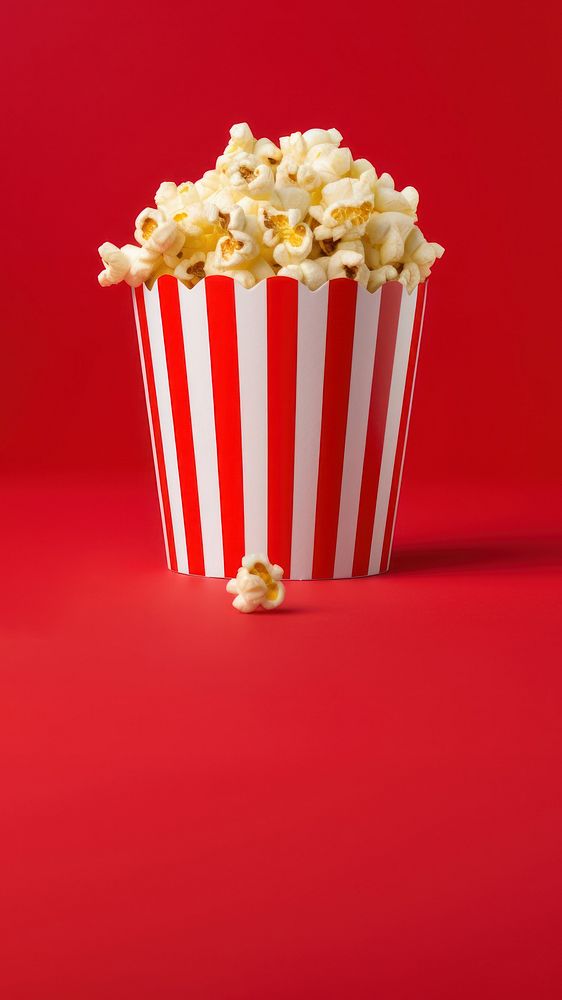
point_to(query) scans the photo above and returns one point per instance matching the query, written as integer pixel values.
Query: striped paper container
(278, 418)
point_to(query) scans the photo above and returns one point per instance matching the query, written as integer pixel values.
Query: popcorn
(203, 226)
(303, 209)
(174, 200)
(167, 238)
(191, 269)
(330, 162)
(130, 263)
(209, 184)
(157, 235)
(234, 249)
(247, 276)
(380, 275)
(298, 144)
(315, 136)
(266, 151)
(387, 232)
(293, 197)
(345, 208)
(387, 199)
(293, 147)
(252, 177)
(419, 258)
(291, 238)
(287, 172)
(311, 272)
(257, 584)
(362, 166)
(241, 140)
(146, 223)
(417, 249)
(348, 264)
(116, 265)
(410, 276)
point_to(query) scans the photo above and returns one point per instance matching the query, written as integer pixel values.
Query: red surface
(355, 797)
(363, 799)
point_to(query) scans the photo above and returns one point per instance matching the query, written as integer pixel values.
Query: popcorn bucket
(278, 418)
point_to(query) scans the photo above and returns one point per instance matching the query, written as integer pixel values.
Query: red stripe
(161, 467)
(221, 313)
(282, 325)
(168, 291)
(337, 375)
(391, 296)
(403, 429)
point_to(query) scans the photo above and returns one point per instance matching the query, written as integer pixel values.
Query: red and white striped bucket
(278, 419)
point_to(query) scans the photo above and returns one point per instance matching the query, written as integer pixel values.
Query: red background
(359, 795)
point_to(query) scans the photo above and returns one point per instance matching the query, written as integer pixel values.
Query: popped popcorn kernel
(279, 223)
(147, 228)
(355, 214)
(312, 273)
(191, 269)
(229, 246)
(303, 208)
(348, 264)
(247, 173)
(116, 264)
(257, 584)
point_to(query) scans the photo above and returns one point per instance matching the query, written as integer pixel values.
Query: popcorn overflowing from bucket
(304, 209)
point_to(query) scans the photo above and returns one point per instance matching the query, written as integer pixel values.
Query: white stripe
(158, 352)
(311, 352)
(152, 440)
(364, 344)
(193, 307)
(251, 327)
(399, 370)
(407, 428)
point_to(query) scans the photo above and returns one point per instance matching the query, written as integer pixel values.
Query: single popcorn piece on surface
(304, 208)
(257, 584)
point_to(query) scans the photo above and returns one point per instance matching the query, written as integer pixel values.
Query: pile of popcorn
(305, 209)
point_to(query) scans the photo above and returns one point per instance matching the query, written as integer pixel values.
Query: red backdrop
(359, 802)
(460, 101)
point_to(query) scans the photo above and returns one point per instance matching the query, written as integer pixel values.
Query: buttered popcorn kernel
(303, 209)
(257, 584)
